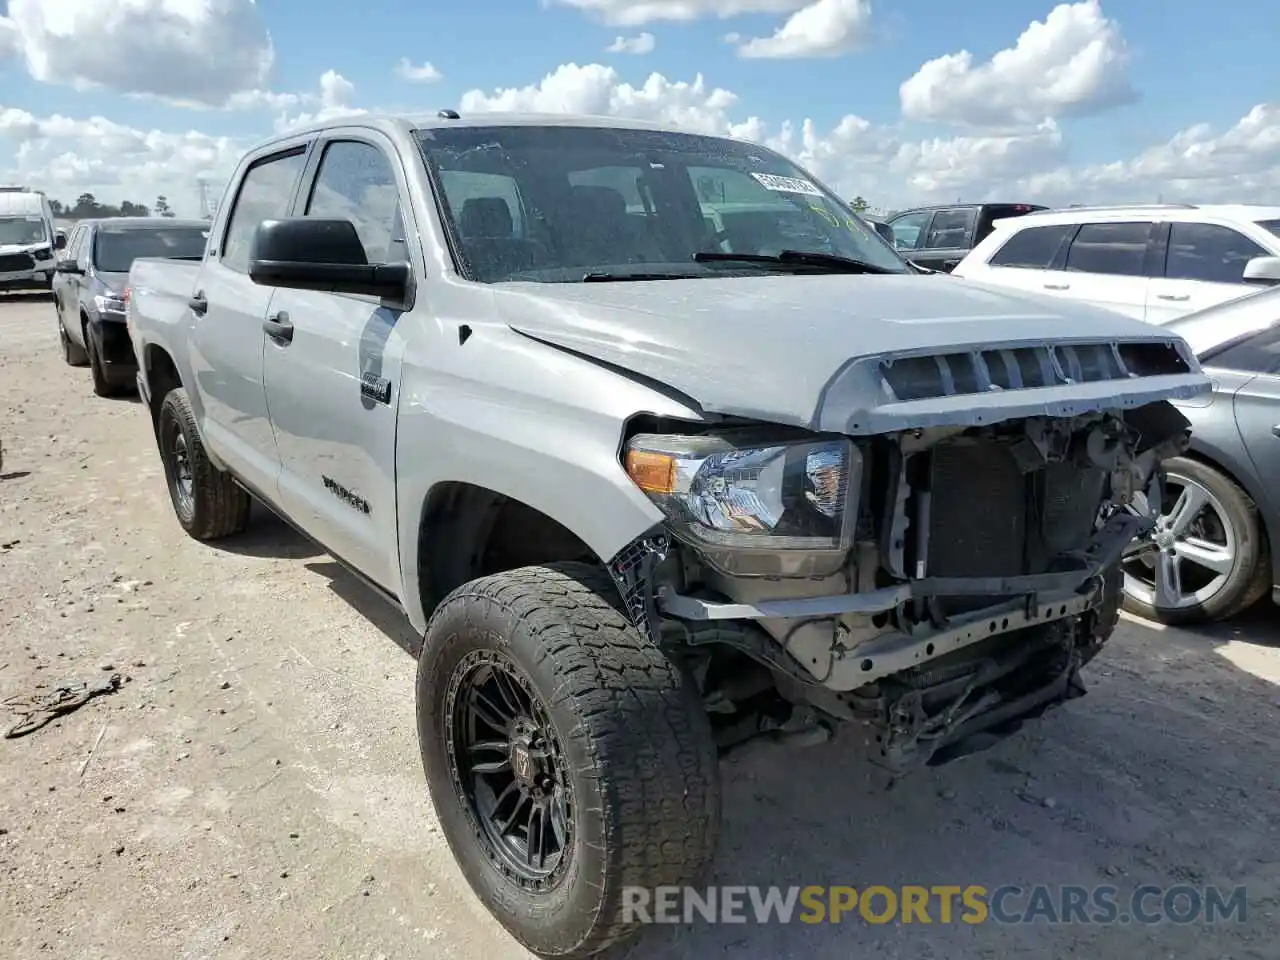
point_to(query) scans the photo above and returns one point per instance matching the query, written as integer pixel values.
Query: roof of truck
(142, 223)
(444, 118)
(15, 204)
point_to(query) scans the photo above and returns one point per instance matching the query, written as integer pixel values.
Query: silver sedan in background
(1215, 551)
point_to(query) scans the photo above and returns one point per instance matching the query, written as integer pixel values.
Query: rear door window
(1116, 249)
(265, 194)
(950, 230)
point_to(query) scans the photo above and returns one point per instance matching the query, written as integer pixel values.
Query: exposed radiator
(977, 515)
(988, 519)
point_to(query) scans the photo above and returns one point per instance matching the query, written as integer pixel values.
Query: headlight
(109, 304)
(752, 506)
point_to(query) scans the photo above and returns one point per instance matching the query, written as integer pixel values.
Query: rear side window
(1033, 248)
(1208, 252)
(264, 194)
(950, 230)
(1118, 249)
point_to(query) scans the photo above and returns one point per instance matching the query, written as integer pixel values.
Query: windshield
(1272, 226)
(115, 249)
(560, 203)
(22, 230)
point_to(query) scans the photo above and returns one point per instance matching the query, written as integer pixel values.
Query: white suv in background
(1153, 263)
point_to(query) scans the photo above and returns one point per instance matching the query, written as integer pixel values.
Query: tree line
(87, 206)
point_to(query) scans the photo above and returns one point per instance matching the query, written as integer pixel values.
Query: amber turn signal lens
(651, 472)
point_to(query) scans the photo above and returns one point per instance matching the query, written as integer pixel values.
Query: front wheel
(1208, 558)
(72, 355)
(207, 501)
(569, 760)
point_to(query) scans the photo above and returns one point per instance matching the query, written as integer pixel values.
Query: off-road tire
(218, 506)
(1250, 578)
(72, 355)
(637, 740)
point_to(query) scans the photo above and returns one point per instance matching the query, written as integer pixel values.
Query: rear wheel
(207, 501)
(567, 757)
(1208, 558)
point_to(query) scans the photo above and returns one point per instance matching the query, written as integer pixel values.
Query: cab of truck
(938, 237)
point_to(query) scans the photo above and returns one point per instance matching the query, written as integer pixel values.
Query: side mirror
(60, 240)
(1265, 270)
(67, 266)
(885, 231)
(310, 253)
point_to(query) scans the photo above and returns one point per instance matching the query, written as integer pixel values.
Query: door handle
(199, 304)
(1275, 431)
(1057, 286)
(279, 328)
(1173, 296)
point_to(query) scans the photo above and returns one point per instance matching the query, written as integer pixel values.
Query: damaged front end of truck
(935, 558)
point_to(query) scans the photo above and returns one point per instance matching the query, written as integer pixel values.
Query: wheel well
(161, 373)
(468, 531)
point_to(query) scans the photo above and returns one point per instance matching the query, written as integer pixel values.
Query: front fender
(530, 422)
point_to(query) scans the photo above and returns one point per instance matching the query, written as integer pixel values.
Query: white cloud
(826, 28)
(334, 100)
(1073, 63)
(638, 45)
(423, 73)
(883, 164)
(67, 157)
(185, 51)
(634, 13)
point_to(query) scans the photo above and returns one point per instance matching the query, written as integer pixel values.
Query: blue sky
(1188, 64)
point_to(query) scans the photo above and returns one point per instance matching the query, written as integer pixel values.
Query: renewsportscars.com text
(938, 904)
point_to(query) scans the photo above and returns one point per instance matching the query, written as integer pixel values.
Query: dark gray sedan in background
(1214, 552)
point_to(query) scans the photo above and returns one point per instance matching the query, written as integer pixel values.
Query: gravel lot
(256, 790)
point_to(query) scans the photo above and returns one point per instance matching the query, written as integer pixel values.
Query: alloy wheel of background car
(1205, 559)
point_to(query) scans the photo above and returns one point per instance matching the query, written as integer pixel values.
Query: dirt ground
(254, 788)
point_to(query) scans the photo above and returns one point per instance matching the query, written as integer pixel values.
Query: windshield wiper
(608, 277)
(802, 258)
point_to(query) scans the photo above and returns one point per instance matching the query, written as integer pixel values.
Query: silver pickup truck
(663, 449)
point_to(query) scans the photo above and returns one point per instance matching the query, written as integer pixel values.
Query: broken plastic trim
(632, 571)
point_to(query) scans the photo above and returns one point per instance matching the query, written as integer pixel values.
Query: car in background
(28, 239)
(1213, 553)
(939, 237)
(89, 289)
(1154, 262)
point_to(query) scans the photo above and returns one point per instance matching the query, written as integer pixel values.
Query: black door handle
(279, 327)
(199, 304)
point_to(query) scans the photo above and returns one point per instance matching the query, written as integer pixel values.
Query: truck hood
(113, 282)
(820, 351)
